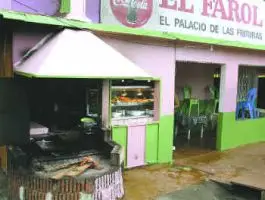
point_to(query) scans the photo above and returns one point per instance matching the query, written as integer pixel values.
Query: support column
(6, 48)
(228, 87)
(227, 105)
(262, 195)
(6, 70)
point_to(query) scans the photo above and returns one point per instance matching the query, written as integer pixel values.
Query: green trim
(119, 135)
(153, 123)
(159, 140)
(110, 107)
(151, 143)
(19, 16)
(65, 6)
(160, 98)
(165, 139)
(59, 21)
(233, 133)
(208, 40)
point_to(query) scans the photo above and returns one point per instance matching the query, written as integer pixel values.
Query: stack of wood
(76, 169)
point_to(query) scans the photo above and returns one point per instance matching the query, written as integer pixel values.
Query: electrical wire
(41, 13)
(27, 6)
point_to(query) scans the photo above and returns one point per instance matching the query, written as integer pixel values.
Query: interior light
(139, 93)
(124, 93)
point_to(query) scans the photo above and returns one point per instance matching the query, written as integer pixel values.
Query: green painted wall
(233, 133)
(151, 143)
(165, 139)
(65, 6)
(119, 135)
(159, 140)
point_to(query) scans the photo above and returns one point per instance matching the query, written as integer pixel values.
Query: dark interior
(208, 114)
(261, 94)
(14, 113)
(60, 103)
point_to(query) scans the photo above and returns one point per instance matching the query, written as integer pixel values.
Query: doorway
(197, 88)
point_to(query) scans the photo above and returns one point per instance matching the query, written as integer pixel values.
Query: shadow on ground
(212, 191)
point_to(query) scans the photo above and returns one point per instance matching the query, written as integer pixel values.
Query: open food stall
(135, 119)
(77, 107)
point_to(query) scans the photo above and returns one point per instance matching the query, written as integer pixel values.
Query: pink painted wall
(159, 61)
(5, 4)
(230, 60)
(27, 39)
(136, 146)
(196, 75)
(45, 7)
(23, 41)
(49, 7)
(219, 56)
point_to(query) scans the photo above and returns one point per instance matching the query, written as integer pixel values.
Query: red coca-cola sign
(132, 13)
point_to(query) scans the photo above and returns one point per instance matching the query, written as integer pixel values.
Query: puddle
(186, 174)
(207, 158)
(185, 153)
(150, 182)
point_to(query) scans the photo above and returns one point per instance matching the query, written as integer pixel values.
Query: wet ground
(249, 159)
(193, 166)
(150, 182)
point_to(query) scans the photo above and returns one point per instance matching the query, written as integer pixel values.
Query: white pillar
(78, 10)
(228, 87)
(5, 4)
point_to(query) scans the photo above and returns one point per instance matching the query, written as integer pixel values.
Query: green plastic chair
(214, 96)
(190, 102)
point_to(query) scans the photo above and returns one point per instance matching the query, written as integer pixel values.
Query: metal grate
(247, 79)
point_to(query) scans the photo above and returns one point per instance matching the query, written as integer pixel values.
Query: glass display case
(132, 103)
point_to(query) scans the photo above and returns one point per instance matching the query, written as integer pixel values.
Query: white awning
(77, 54)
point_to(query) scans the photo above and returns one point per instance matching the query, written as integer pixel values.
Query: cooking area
(67, 156)
(74, 123)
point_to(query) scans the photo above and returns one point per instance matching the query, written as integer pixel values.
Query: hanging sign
(229, 20)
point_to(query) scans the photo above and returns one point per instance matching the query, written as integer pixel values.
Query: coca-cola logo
(132, 13)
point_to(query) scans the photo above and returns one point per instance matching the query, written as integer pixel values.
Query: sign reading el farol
(230, 20)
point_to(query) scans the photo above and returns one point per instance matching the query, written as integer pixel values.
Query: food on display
(129, 100)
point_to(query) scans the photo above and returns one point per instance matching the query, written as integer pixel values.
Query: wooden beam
(6, 50)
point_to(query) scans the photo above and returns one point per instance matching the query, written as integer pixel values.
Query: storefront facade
(156, 142)
(231, 132)
(158, 135)
(214, 42)
(213, 25)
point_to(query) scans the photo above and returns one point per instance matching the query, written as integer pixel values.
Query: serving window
(133, 101)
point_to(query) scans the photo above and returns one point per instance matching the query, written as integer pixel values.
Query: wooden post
(3, 158)
(6, 69)
(262, 195)
(6, 50)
